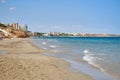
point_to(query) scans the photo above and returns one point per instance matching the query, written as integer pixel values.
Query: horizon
(95, 16)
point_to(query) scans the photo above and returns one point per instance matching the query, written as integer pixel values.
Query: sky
(73, 16)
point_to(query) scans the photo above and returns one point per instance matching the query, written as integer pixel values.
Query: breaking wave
(91, 59)
(43, 43)
(53, 46)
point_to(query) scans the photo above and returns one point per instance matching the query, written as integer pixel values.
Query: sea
(98, 57)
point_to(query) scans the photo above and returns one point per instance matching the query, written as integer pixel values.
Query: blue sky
(83, 16)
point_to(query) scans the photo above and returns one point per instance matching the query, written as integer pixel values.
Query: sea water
(98, 57)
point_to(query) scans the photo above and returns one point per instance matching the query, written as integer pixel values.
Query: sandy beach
(22, 60)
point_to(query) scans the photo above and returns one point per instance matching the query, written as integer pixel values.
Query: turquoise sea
(98, 57)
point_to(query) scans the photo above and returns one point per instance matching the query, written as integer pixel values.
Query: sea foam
(43, 43)
(53, 46)
(86, 51)
(91, 59)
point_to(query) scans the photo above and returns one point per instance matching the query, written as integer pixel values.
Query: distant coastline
(58, 34)
(14, 30)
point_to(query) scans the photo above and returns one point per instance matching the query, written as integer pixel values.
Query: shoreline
(76, 63)
(26, 61)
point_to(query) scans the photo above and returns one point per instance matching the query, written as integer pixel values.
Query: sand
(24, 61)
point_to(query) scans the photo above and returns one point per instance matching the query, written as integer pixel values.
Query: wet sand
(24, 61)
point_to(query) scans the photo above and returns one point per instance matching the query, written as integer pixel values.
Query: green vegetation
(65, 34)
(2, 25)
(39, 34)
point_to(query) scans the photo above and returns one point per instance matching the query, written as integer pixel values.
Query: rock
(19, 34)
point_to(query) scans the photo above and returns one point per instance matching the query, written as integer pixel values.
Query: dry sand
(24, 61)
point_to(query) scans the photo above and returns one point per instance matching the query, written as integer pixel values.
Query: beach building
(15, 25)
(24, 28)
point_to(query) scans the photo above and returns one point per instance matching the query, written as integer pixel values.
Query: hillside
(11, 32)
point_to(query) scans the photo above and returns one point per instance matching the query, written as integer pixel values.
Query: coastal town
(59, 34)
(14, 30)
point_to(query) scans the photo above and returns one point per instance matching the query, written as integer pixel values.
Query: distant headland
(58, 34)
(14, 30)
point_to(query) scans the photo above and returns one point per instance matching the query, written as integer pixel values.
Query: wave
(53, 46)
(45, 48)
(43, 43)
(86, 51)
(91, 59)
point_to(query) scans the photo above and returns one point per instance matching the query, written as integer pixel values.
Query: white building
(25, 27)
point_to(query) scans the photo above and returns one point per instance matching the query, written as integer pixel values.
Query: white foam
(91, 59)
(86, 51)
(43, 43)
(45, 48)
(53, 46)
(88, 57)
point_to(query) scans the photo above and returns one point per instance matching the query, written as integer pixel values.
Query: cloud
(3, 1)
(12, 8)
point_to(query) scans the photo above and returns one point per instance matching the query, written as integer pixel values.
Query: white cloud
(3, 1)
(12, 8)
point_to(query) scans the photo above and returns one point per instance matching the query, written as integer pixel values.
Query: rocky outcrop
(8, 32)
(20, 34)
